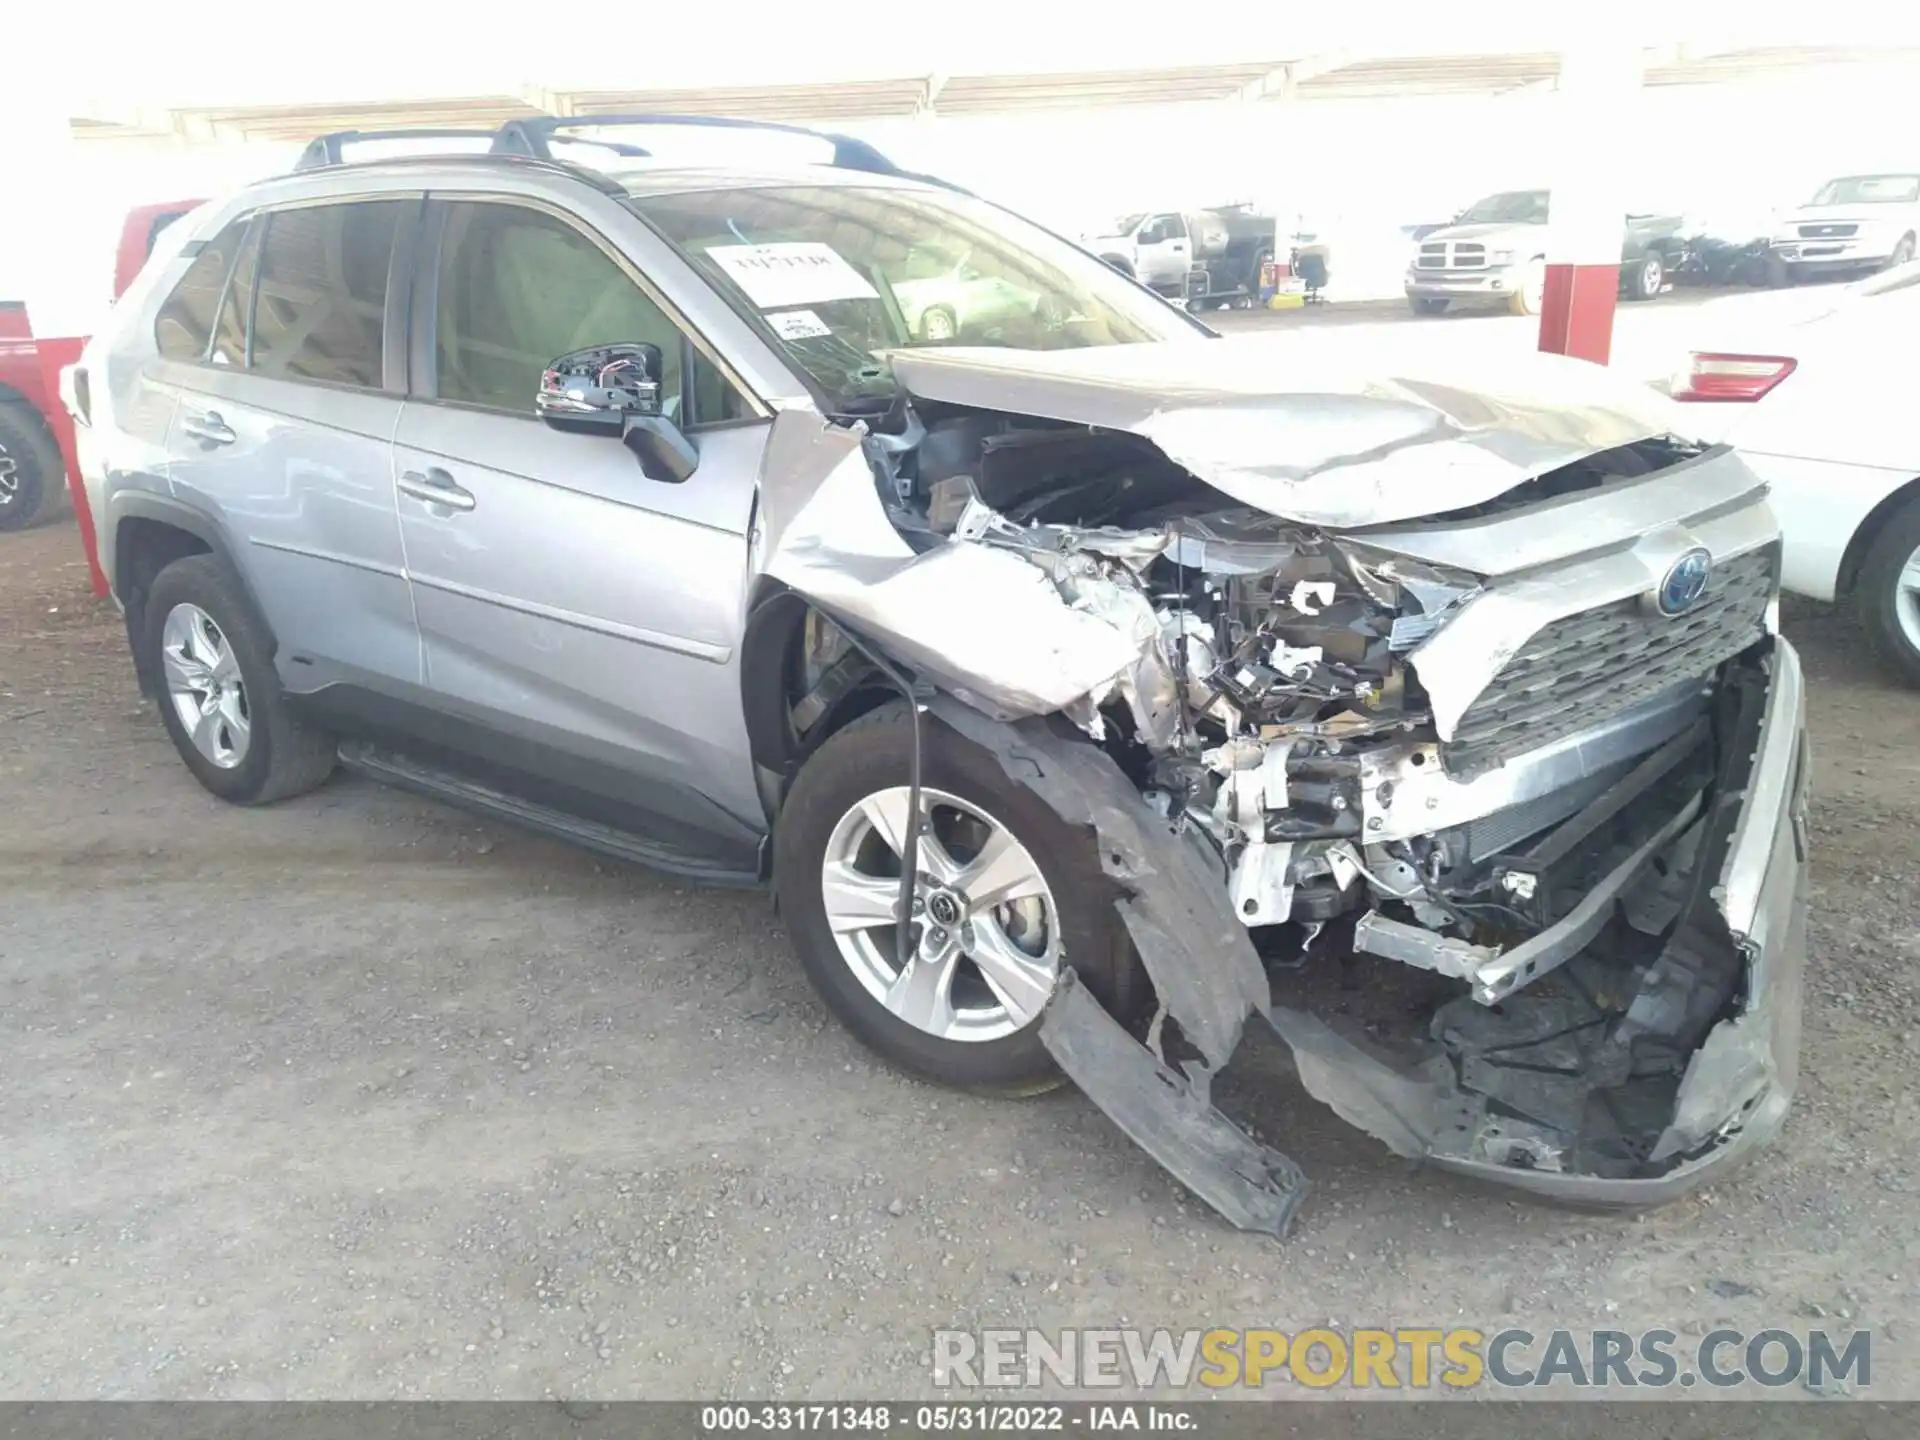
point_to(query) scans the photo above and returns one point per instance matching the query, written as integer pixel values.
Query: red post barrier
(55, 355)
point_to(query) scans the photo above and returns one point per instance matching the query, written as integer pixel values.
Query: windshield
(1515, 207)
(1869, 190)
(840, 275)
(1127, 224)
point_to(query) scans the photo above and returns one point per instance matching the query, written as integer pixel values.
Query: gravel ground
(357, 1097)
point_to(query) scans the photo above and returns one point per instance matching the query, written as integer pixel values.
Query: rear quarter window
(183, 327)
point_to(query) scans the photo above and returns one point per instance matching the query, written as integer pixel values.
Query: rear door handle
(436, 487)
(208, 428)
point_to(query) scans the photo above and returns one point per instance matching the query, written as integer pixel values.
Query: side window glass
(320, 305)
(230, 336)
(519, 288)
(184, 325)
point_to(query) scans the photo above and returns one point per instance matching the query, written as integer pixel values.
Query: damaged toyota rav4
(1080, 681)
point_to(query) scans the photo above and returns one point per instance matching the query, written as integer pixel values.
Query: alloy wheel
(9, 477)
(937, 324)
(1906, 600)
(983, 932)
(204, 686)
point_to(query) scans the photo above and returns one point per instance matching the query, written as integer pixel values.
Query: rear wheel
(1887, 592)
(1008, 894)
(30, 466)
(220, 697)
(1648, 277)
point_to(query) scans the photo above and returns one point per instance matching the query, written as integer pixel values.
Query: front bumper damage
(1646, 1036)
(1737, 954)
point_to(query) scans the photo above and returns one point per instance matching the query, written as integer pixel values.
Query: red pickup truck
(30, 418)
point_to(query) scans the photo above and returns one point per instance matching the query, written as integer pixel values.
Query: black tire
(1427, 305)
(1876, 591)
(1120, 263)
(1648, 278)
(30, 463)
(935, 315)
(283, 757)
(1902, 253)
(873, 754)
(1779, 273)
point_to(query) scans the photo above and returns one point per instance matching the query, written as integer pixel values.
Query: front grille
(1577, 672)
(1828, 232)
(1452, 255)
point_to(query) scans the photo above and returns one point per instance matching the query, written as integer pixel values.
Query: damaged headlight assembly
(1542, 744)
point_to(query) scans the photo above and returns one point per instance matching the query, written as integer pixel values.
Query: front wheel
(1902, 253)
(1887, 593)
(1648, 278)
(938, 324)
(1008, 894)
(220, 697)
(1526, 300)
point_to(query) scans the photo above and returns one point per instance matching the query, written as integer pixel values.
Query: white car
(1855, 223)
(1820, 391)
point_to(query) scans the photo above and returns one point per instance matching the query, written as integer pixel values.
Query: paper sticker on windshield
(801, 272)
(798, 325)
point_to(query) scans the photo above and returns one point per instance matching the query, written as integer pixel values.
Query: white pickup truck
(1858, 222)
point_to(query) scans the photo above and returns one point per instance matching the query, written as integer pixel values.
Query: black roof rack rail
(532, 136)
(325, 150)
(529, 140)
(586, 174)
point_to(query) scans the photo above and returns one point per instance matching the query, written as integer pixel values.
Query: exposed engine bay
(1482, 744)
(1272, 704)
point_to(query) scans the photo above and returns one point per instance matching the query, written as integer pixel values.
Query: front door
(1165, 253)
(584, 614)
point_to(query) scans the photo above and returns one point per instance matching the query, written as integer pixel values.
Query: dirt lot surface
(357, 1097)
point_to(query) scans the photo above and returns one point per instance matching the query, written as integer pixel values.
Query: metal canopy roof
(1337, 76)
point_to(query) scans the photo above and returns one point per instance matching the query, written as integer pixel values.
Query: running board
(388, 767)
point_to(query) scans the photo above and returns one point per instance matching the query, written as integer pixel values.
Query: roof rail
(533, 136)
(530, 139)
(586, 174)
(324, 150)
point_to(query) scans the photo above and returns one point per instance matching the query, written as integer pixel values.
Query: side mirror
(614, 390)
(593, 392)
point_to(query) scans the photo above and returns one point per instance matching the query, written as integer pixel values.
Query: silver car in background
(1079, 694)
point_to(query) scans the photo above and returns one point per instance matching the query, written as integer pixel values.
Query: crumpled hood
(1320, 432)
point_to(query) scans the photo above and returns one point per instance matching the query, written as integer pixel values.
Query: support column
(1594, 108)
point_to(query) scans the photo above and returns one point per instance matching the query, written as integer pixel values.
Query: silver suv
(1086, 686)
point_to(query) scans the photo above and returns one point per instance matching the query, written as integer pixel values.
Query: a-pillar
(1594, 110)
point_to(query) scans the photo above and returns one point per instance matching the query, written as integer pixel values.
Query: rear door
(583, 615)
(284, 433)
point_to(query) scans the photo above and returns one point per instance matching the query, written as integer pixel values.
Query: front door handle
(436, 487)
(208, 428)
